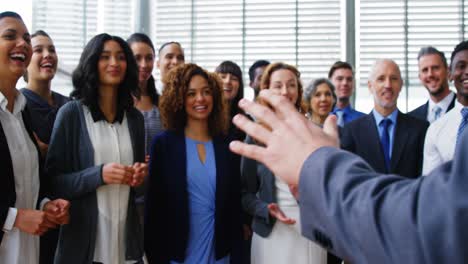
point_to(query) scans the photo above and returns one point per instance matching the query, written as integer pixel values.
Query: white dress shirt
(18, 247)
(159, 87)
(443, 104)
(439, 145)
(111, 143)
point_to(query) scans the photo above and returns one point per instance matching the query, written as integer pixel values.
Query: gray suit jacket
(367, 217)
(75, 177)
(258, 190)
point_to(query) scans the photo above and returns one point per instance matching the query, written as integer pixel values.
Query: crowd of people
(130, 169)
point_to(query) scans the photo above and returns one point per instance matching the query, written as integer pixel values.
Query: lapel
(371, 138)
(399, 140)
(452, 103)
(424, 111)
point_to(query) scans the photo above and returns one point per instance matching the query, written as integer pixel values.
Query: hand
(57, 211)
(43, 147)
(114, 173)
(294, 191)
(147, 158)
(140, 173)
(33, 222)
(247, 231)
(291, 139)
(277, 213)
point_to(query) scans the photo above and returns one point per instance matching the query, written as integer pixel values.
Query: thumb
(331, 129)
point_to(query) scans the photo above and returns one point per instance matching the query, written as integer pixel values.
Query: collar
(98, 115)
(443, 104)
(20, 103)
(347, 109)
(159, 87)
(378, 117)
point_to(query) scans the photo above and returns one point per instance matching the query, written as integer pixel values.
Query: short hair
(172, 101)
(36, 34)
(266, 78)
(339, 65)
(460, 47)
(255, 65)
(10, 14)
(151, 86)
(85, 77)
(234, 69)
(430, 50)
(311, 89)
(167, 44)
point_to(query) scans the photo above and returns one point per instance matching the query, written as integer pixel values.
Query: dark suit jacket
(166, 200)
(7, 188)
(361, 137)
(368, 217)
(421, 111)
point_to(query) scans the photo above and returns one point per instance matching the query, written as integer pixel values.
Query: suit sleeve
(366, 217)
(346, 139)
(250, 184)
(62, 152)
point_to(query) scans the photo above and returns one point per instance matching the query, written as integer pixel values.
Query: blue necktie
(385, 141)
(464, 122)
(340, 116)
(437, 111)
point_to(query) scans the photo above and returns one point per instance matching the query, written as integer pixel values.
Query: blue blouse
(201, 188)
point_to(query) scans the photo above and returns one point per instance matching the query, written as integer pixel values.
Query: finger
(262, 113)
(255, 130)
(250, 151)
(280, 104)
(331, 128)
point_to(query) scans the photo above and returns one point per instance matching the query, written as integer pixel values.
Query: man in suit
(346, 206)
(342, 77)
(442, 135)
(390, 141)
(433, 73)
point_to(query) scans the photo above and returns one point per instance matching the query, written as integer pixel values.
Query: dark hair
(339, 65)
(167, 44)
(35, 34)
(311, 89)
(151, 88)
(255, 65)
(172, 104)
(10, 14)
(429, 50)
(234, 69)
(460, 47)
(85, 77)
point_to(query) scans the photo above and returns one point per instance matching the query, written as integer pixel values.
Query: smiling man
(442, 135)
(433, 74)
(342, 77)
(390, 141)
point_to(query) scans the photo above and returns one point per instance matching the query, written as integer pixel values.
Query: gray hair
(430, 50)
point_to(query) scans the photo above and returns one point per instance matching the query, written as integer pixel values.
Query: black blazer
(7, 188)
(361, 137)
(421, 111)
(166, 200)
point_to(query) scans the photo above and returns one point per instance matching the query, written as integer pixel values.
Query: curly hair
(266, 78)
(85, 77)
(172, 100)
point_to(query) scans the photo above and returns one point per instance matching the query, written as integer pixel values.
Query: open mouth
(18, 57)
(47, 65)
(200, 108)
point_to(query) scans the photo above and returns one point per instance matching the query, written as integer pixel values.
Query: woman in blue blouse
(192, 204)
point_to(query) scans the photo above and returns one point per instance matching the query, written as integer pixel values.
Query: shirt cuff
(43, 202)
(10, 219)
